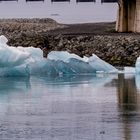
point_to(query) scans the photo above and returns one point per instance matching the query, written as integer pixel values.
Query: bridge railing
(102, 1)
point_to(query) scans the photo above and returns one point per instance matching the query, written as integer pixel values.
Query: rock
(109, 45)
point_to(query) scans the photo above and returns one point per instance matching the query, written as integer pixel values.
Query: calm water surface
(103, 107)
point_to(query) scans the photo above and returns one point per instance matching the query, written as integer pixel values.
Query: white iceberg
(11, 56)
(27, 61)
(13, 62)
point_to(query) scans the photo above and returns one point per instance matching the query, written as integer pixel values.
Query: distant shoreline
(119, 49)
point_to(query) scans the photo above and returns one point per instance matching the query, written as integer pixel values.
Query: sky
(63, 12)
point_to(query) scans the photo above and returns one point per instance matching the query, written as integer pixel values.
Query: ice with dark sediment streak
(26, 61)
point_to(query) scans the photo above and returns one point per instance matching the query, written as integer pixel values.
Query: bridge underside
(128, 19)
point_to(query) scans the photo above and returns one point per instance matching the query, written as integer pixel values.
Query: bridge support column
(128, 19)
(137, 16)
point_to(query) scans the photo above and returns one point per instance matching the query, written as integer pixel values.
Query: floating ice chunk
(129, 70)
(100, 65)
(25, 61)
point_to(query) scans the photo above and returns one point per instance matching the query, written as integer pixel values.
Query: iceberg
(26, 61)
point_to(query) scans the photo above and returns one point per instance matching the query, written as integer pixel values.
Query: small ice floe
(129, 70)
(29, 61)
(137, 80)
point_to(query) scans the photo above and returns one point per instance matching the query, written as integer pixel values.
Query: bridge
(128, 19)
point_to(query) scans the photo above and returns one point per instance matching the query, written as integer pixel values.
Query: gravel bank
(20, 27)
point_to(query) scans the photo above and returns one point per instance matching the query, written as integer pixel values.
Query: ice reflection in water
(103, 107)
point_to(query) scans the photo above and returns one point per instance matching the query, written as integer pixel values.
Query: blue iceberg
(26, 61)
(80, 65)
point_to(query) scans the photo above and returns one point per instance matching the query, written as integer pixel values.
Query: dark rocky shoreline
(119, 49)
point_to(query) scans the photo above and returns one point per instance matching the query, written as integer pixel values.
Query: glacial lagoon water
(87, 107)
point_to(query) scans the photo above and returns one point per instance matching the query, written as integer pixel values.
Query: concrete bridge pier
(128, 19)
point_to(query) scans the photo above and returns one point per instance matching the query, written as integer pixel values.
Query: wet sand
(102, 28)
